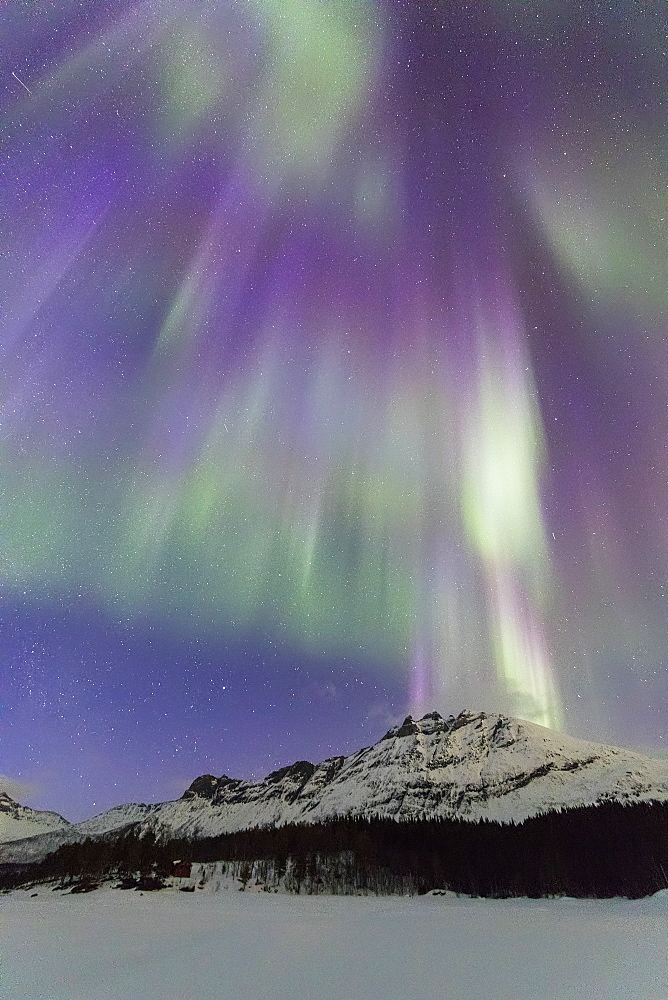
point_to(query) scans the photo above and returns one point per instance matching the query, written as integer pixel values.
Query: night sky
(333, 380)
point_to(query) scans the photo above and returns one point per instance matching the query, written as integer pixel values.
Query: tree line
(595, 851)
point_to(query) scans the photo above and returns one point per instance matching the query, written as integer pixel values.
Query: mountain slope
(18, 822)
(475, 766)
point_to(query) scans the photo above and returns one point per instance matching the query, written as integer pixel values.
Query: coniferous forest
(602, 851)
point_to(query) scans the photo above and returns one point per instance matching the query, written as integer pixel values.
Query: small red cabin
(181, 869)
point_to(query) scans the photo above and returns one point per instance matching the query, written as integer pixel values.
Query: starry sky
(333, 380)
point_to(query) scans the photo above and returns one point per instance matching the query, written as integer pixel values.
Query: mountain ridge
(473, 766)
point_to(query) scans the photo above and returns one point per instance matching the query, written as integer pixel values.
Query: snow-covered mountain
(18, 822)
(474, 766)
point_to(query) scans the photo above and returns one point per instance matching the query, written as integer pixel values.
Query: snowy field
(113, 945)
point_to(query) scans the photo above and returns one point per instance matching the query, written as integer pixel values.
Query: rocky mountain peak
(431, 723)
(203, 787)
(208, 785)
(301, 770)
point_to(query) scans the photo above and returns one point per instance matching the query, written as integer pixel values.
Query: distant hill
(18, 822)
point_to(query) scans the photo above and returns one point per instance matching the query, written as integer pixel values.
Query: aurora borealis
(334, 379)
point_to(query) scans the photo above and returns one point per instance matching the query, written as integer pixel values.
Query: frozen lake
(112, 945)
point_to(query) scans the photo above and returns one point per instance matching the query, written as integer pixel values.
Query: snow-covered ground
(114, 945)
